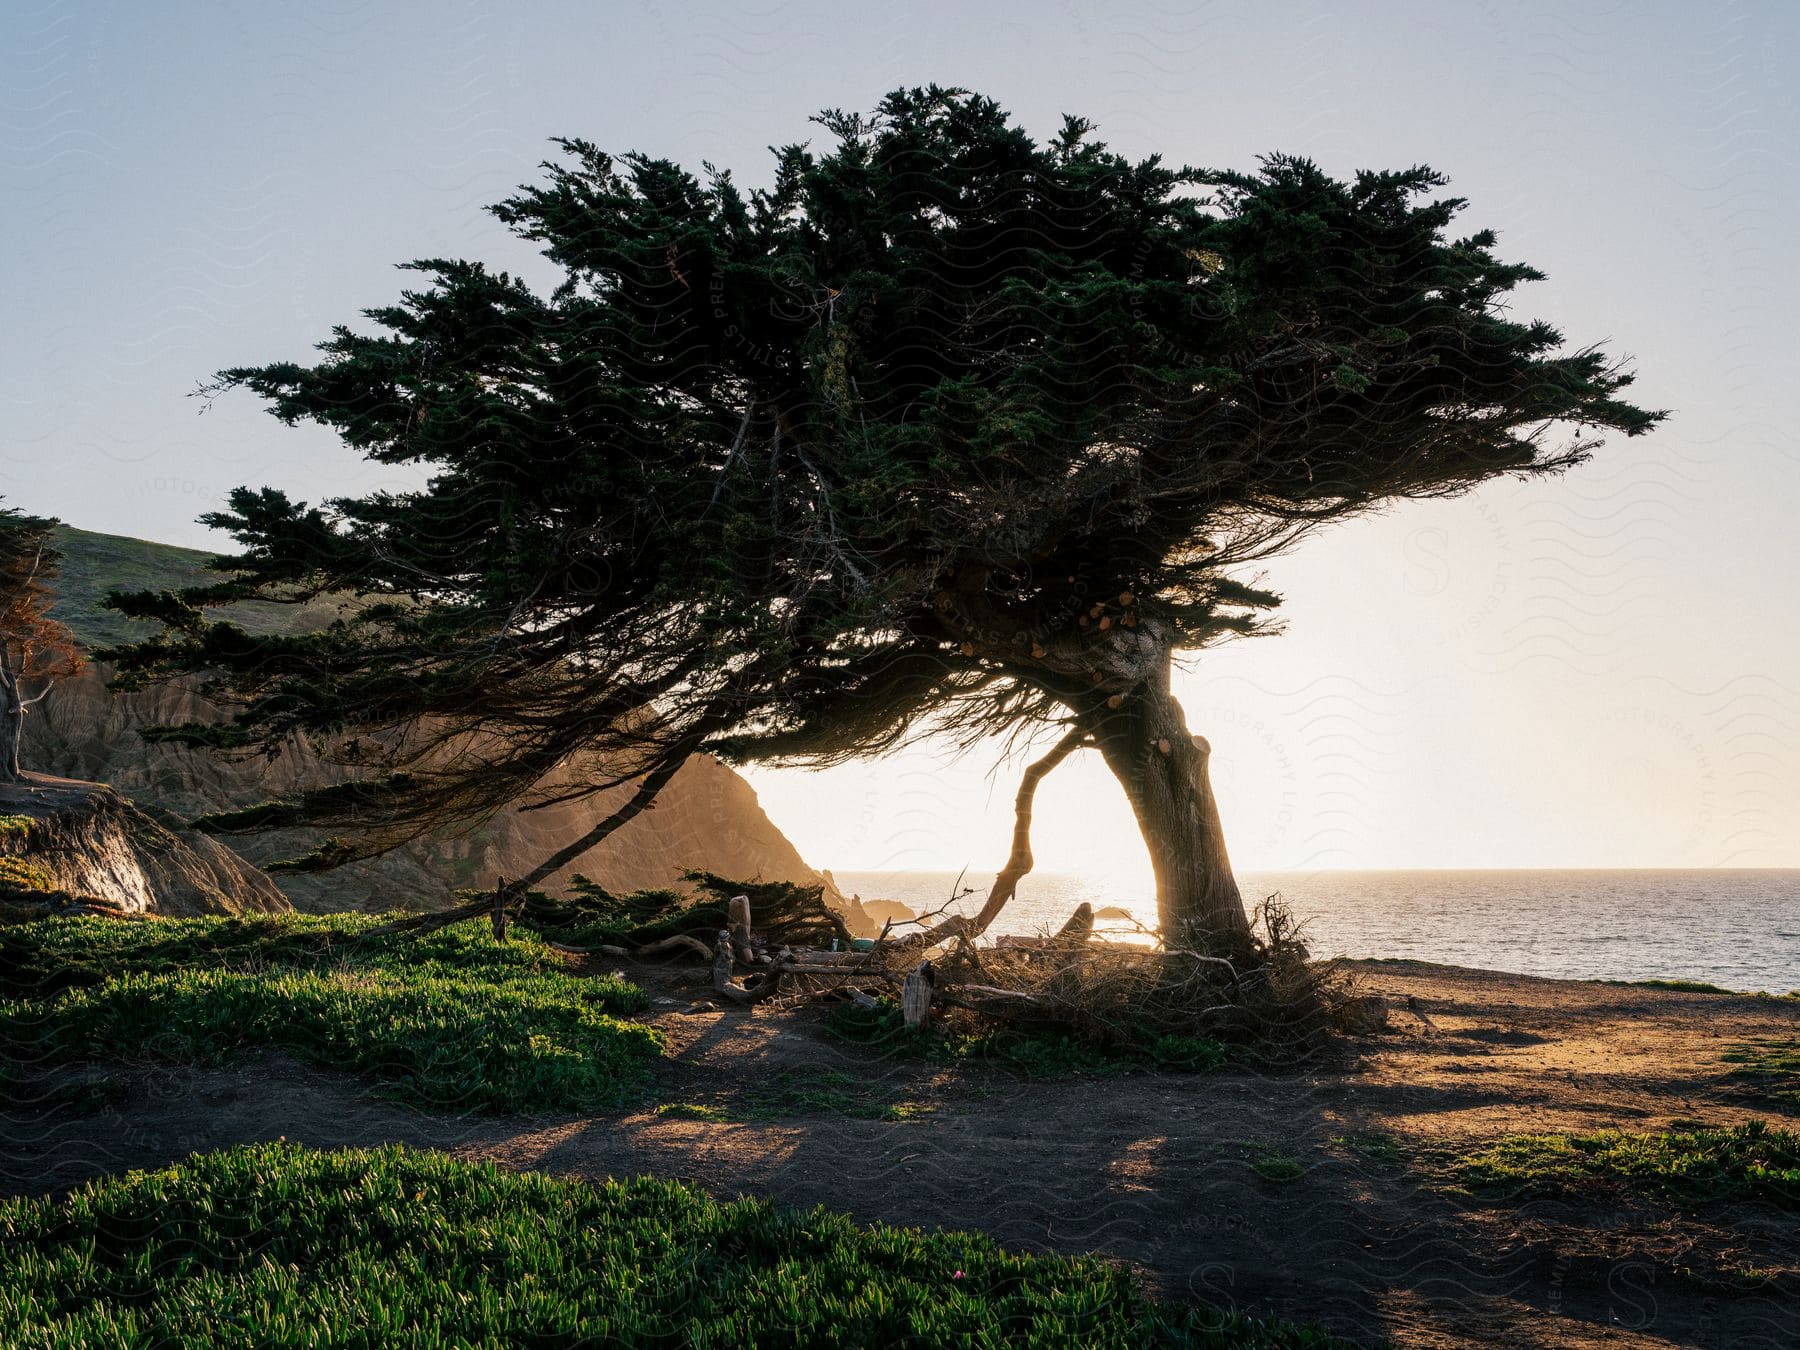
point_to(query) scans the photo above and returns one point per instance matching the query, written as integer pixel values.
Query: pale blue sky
(1600, 670)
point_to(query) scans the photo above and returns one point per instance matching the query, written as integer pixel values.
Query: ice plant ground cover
(273, 1244)
(452, 1020)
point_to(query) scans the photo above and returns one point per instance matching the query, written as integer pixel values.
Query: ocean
(1739, 929)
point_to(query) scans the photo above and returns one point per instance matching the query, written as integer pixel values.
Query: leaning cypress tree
(947, 431)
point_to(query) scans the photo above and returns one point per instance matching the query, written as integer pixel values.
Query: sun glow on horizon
(1441, 716)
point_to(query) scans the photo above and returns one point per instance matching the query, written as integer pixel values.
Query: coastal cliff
(707, 818)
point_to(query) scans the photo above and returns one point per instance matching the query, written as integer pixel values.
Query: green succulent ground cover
(452, 1020)
(1772, 1065)
(1752, 1161)
(281, 1246)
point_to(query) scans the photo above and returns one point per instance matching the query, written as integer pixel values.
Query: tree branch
(1006, 884)
(653, 783)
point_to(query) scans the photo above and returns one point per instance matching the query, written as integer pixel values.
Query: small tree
(947, 431)
(35, 649)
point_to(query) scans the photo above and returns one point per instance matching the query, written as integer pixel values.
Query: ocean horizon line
(1044, 872)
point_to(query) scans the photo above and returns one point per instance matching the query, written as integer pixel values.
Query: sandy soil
(1152, 1169)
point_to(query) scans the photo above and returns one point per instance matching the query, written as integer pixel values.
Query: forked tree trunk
(1163, 768)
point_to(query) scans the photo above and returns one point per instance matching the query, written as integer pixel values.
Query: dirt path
(1153, 1169)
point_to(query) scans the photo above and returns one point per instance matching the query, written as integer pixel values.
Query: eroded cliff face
(708, 817)
(87, 844)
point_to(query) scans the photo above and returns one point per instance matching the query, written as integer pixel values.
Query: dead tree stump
(722, 962)
(499, 915)
(739, 909)
(1078, 929)
(915, 994)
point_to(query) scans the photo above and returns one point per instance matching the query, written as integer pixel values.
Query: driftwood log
(990, 991)
(1070, 939)
(680, 942)
(746, 972)
(483, 905)
(829, 961)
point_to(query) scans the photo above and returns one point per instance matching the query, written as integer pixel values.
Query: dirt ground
(1152, 1169)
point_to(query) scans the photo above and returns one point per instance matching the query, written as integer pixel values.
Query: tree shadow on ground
(1319, 1195)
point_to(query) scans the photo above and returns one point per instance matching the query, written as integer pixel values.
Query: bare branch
(1006, 884)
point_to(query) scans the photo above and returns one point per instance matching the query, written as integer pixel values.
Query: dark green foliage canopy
(947, 429)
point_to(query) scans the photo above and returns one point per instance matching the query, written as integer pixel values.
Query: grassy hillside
(94, 564)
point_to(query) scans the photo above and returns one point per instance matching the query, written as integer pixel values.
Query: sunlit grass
(1774, 1065)
(452, 1020)
(1278, 1167)
(1753, 1161)
(280, 1246)
(702, 1111)
(24, 878)
(1380, 1147)
(1679, 986)
(1675, 986)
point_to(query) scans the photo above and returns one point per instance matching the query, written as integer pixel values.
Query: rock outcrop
(84, 843)
(707, 818)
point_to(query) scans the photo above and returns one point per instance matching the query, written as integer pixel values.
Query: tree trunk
(12, 727)
(1163, 768)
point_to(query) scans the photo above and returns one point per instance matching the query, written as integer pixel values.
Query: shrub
(591, 915)
(21, 876)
